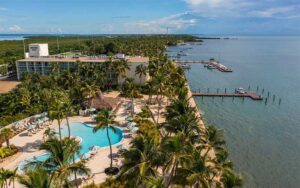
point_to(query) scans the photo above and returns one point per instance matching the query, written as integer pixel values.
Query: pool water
(88, 139)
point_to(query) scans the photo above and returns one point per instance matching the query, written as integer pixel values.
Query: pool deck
(97, 163)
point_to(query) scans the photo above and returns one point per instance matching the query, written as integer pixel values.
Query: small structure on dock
(211, 64)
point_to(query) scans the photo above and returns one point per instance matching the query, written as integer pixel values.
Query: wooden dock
(213, 64)
(251, 95)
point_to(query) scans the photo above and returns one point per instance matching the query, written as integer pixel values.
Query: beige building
(42, 64)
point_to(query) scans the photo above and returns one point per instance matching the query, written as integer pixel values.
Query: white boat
(240, 90)
(211, 67)
(185, 66)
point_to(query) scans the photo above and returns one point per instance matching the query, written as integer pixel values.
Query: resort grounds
(29, 144)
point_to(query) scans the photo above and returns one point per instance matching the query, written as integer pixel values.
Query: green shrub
(145, 113)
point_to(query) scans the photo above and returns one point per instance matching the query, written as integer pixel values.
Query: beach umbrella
(37, 116)
(93, 117)
(17, 124)
(31, 127)
(129, 118)
(123, 147)
(134, 129)
(86, 155)
(131, 124)
(94, 148)
(92, 109)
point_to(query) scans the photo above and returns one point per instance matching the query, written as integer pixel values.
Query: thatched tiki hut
(101, 102)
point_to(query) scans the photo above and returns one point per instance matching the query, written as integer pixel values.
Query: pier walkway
(251, 95)
(210, 64)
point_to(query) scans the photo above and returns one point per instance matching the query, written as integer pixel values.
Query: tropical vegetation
(178, 152)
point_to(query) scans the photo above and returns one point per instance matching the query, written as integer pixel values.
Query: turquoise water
(85, 131)
(263, 140)
(89, 139)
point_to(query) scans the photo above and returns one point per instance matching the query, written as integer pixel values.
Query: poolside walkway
(97, 163)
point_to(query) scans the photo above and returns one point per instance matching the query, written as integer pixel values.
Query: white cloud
(173, 22)
(15, 28)
(273, 12)
(218, 8)
(243, 8)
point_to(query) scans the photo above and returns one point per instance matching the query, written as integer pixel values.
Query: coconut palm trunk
(110, 148)
(68, 124)
(59, 128)
(7, 143)
(175, 166)
(159, 105)
(132, 106)
(75, 174)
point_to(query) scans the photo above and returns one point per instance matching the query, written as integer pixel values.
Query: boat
(185, 66)
(240, 90)
(211, 67)
(183, 54)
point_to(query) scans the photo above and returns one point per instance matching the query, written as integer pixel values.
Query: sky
(208, 17)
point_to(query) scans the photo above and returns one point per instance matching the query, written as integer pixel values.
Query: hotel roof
(96, 59)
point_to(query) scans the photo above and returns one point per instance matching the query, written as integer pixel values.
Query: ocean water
(263, 139)
(11, 37)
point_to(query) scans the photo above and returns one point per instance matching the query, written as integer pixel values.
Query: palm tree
(89, 90)
(154, 182)
(141, 161)
(215, 138)
(49, 133)
(7, 177)
(230, 179)
(13, 176)
(60, 163)
(196, 173)
(120, 67)
(131, 90)
(105, 120)
(178, 150)
(141, 70)
(6, 134)
(68, 111)
(25, 98)
(35, 179)
(56, 112)
(159, 81)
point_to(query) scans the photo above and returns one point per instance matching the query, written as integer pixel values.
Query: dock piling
(225, 90)
(268, 94)
(266, 101)
(274, 98)
(257, 88)
(262, 92)
(279, 101)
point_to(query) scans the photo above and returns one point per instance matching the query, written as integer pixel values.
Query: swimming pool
(88, 140)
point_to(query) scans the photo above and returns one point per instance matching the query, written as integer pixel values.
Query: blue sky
(211, 17)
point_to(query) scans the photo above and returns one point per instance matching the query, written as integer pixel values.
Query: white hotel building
(38, 61)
